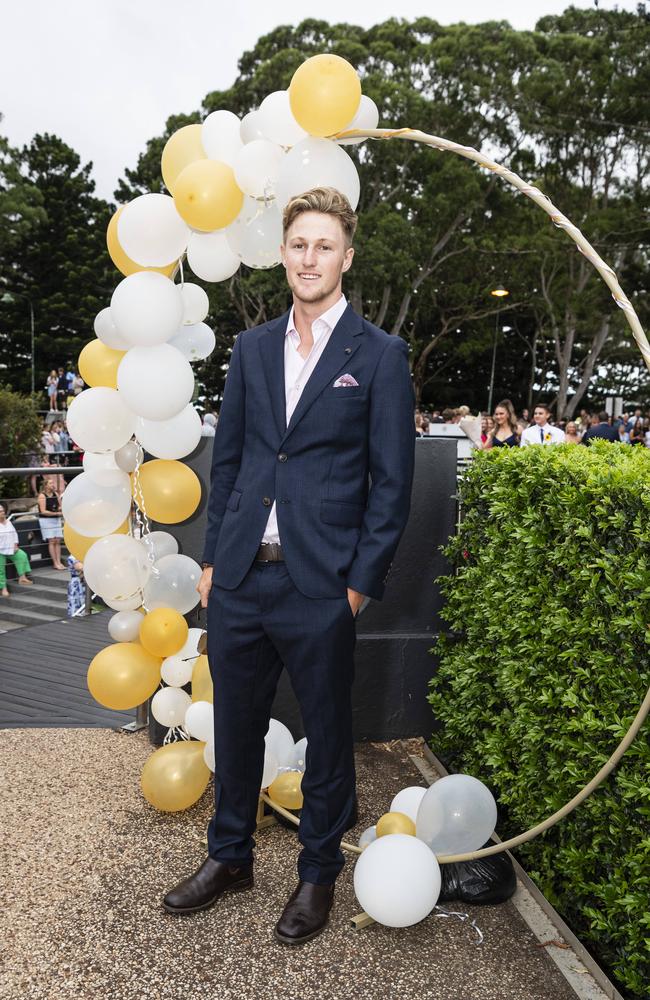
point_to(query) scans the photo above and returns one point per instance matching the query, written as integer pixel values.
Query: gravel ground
(85, 862)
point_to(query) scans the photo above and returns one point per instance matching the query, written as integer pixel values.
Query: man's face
(315, 256)
(540, 416)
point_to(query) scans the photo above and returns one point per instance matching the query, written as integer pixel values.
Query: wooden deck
(43, 675)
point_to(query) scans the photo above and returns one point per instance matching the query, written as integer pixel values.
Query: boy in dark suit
(310, 492)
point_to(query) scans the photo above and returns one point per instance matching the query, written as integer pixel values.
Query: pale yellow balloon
(98, 364)
(123, 675)
(171, 490)
(163, 632)
(395, 822)
(120, 259)
(286, 790)
(202, 689)
(324, 94)
(175, 776)
(206, 195)
(181, 149)
(77, 545)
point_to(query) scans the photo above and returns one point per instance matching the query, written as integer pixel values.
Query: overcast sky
(104, 75)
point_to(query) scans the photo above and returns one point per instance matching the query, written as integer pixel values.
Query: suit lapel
(271, 347)
(340, 347)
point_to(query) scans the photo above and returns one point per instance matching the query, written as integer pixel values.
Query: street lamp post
(499, 293)
(10, 297)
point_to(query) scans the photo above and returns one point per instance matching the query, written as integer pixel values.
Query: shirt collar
(324, 323)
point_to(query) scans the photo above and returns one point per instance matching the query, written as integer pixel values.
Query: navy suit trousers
(253, 631)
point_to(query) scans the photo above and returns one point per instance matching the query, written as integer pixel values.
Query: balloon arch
(228, 182)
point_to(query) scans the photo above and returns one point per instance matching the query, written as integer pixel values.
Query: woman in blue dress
(76, 590)
(505, 433)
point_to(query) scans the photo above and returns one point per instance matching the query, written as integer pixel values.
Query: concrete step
(32, 599)
(24, 617)
(7, 626)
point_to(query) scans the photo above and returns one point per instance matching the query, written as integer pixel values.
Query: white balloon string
(180, 267)
(462, 917)
(175, 734)
(141, 517)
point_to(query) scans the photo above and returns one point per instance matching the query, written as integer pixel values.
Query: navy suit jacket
(340, 473)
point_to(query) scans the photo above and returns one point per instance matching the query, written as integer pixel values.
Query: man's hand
(204, 585)
(356, 600)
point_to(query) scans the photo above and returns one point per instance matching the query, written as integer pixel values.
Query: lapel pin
(348, 350)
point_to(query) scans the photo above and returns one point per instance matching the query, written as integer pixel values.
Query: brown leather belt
(269, 552)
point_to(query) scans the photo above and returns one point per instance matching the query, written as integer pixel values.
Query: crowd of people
(506, 428)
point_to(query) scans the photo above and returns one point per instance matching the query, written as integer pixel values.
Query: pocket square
(344, 380)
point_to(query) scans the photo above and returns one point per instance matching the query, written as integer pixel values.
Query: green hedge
(545, 666)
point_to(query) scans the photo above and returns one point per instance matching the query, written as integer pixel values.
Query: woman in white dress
(49, 520)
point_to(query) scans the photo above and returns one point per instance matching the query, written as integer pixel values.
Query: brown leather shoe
(305, 914)
(206, 885)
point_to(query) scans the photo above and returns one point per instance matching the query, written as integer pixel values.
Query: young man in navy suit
(310, 492)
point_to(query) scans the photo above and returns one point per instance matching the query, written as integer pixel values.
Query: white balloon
(397, 880)
(155, 382)
(271, 769)
(117, 567)
(161, 542)
(129, 455)
(256, 234)
(196, 343)
(367, 837)
(147, 308)
(299, 760)
(457, 814)
(94, 510)
(175, 671)
(257, 167)
(169, 706)
(250, 128)
(367, 117)
(99, 420)
(208, 755)
(276, 122)
(173, 438)
(317, 163)
(210, 257)
(220, 135)
(190, 649)
(408, 801)
(280, 741)
(174, 586)
(125, 626)
(199, 721)
(102, 468)
(151, 232)
(107, 332)
(195, 303)
(129, 604)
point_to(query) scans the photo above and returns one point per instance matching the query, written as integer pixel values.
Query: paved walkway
(85, 862)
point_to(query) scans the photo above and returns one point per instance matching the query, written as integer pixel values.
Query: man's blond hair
(327, 200)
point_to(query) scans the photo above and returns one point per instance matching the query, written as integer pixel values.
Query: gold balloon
(286, 790)
(181, 149)
(163, 632)
(98, 364)
(123, 675)
(206, 195)
(77, 545)
(202, 689)
(395, 822)
(171, 490)
(120, 259)
(175, 776)
(324, 94)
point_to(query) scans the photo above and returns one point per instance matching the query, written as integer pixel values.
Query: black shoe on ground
(305, 914)
(202, 889)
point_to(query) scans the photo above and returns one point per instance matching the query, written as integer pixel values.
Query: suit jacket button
(282, 457)
(267, 501)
